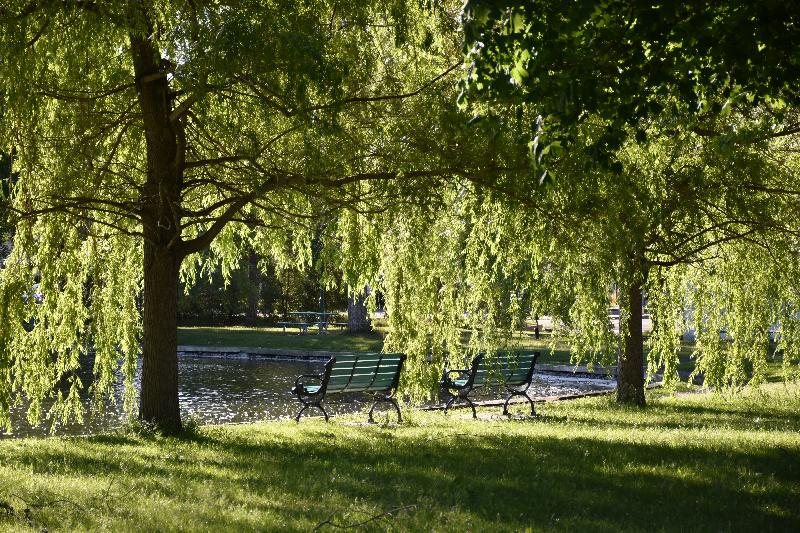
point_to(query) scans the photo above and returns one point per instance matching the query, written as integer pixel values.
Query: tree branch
(686, 258)
(380, 98)
(85, 96)
(184, 248)
(216, 161)
(183, 108)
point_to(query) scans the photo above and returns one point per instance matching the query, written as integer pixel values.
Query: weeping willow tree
(152, 137)
(659, 133)
(149, 131)
(704, 226)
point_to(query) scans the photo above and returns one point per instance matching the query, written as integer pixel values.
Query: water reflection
(234, 390)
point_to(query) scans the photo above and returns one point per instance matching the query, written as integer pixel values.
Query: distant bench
(303, 326)
(374, 373)
(514, 370)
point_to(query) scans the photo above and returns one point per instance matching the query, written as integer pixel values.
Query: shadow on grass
(509, 476)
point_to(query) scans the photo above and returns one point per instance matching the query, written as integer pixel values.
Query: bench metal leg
(466, 399)
(472, 405)
(389, 400)
(306, 406)
(449, 403)
(517, 393)
(397, 408)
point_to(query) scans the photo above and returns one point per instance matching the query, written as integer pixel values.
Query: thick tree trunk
(161, 226)
(630, 366)
(159, 394)
(358, 319)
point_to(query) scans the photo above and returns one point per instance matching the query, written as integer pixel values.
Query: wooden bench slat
(367, 372)
(364, 369)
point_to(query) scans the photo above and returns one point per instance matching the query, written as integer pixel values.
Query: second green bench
(512, 369)
(375, 373)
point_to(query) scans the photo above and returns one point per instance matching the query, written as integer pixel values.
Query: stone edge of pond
(536, 399)
(248, 352)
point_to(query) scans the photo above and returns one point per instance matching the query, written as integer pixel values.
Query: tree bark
(161, 226)
(358, 319)
(630, 365)
(159, 394)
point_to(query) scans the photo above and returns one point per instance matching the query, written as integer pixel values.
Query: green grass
(691, 463)
(275, 338)
(252, 337)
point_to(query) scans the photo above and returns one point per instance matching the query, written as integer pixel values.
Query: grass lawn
(695, 462)
(275, 338)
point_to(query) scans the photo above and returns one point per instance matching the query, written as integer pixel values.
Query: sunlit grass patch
(691, 462)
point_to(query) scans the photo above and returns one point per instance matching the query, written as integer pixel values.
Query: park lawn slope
(694, 462)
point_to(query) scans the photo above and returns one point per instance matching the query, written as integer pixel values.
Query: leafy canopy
(625, 62)
(281, 114)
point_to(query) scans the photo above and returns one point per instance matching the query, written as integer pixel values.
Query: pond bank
(283, 354)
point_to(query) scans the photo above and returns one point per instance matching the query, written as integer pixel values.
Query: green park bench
(375, 373)
(303, 326)
(514, 370)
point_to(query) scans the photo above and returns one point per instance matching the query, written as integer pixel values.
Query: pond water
(219, 390)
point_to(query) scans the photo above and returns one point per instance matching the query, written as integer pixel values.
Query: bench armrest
(460, 372)
(299, 382)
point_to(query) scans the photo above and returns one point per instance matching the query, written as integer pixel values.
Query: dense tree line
(213, 300)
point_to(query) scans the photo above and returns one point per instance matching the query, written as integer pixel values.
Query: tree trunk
(161, 226)
(159, 394)
(630, 365)
(253, 288)
(357, 316)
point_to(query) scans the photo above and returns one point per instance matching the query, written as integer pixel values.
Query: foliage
(699, 224)
(626, 62)
(727, 463)
(690, 111)
(148, 132)
(211, 299)
(158, 138)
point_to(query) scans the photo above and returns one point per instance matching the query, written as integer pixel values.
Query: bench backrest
(366, 372)
(512, 368)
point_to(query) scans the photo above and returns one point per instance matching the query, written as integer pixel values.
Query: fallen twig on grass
(374, 518)
(42, 504)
